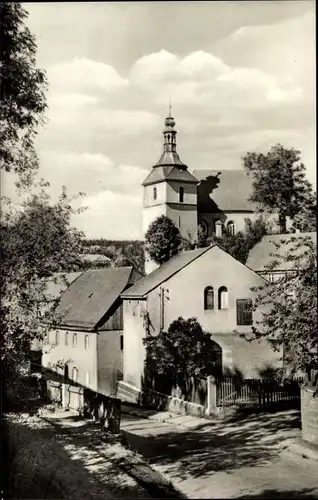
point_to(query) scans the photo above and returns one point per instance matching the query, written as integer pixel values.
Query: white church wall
(190, 193)
(161, 191)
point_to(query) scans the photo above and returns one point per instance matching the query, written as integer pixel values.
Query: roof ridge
(166, 264)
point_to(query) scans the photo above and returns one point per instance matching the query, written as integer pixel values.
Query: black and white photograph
(158, 250)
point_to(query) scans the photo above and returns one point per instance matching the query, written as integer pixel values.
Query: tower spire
(170, 155)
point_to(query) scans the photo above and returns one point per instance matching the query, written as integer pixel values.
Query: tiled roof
(90, 297)
(164, 272)
(260, 255)
(170, 158)
(169, 173)
(59, 283)
(230, 190)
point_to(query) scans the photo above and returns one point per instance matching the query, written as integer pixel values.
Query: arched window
(57, 338)
(218, 229)
(223, 298)
(86, 342)
(66, 338)
(74, 339)
(231, 227)
(154, 193)
(208, 298)
(181, 194)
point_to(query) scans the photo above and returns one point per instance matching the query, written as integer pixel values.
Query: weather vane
(170, 106)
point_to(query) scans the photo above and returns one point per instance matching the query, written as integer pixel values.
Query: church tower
(170, 190)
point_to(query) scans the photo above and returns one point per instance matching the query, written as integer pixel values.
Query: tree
(288, 307)
(184, 351)
(163, 240)
(22, 87)
(306, 219)
(279, 182)
(238, 245)
(37, 242)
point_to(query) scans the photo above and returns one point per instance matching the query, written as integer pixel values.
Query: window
(244, 311)
(181, 194)
(218, 229)
(271, 278)
(231, 228)
(74, 339)
(154, 193)
(57, 337)
(223, 298)
(66, 338)
(208, 298)
(121, 342)
(87, 378)
(74, 374)
(86, 342)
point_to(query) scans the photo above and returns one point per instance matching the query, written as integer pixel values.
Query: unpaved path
(245, 458)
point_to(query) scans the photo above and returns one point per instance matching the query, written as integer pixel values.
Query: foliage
(279, 182)
(184, 351)
(121, 252)
(23, 87)
(289, 306)
(37, 242)
(163, 240)
(306, 219)
(238, 245)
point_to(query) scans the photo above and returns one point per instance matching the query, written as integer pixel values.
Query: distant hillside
(121, 252)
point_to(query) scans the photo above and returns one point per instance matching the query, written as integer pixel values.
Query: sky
(240, 77)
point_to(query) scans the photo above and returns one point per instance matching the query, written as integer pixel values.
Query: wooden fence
(87, 403)
(259, 393)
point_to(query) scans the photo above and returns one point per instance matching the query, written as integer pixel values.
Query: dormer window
(181, 194)
(154, 193)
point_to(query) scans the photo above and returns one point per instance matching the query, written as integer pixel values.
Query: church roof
(170, 158)
(169, 167)
(229, 190)
(168, 173)
(260, 256)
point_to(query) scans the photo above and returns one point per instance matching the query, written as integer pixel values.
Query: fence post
(211, 403)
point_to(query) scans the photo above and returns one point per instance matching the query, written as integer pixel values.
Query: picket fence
(260, 393)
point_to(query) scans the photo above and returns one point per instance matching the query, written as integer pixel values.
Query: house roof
(164, 272)
(95, 257)
(229, 190)
(59, 283)
(169, 173)
(260, 256)
(91, 296)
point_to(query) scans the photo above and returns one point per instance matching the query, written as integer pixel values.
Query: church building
(207, 198)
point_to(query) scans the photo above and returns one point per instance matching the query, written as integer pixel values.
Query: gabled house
(87, 346)
(208, 284)
(262, 255)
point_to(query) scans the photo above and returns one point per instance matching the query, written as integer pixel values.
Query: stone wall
(309, 416)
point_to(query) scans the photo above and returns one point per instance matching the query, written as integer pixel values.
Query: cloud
(111, 215)
(201, 78)
(85, 75)
(90, 173)
(243, 92)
